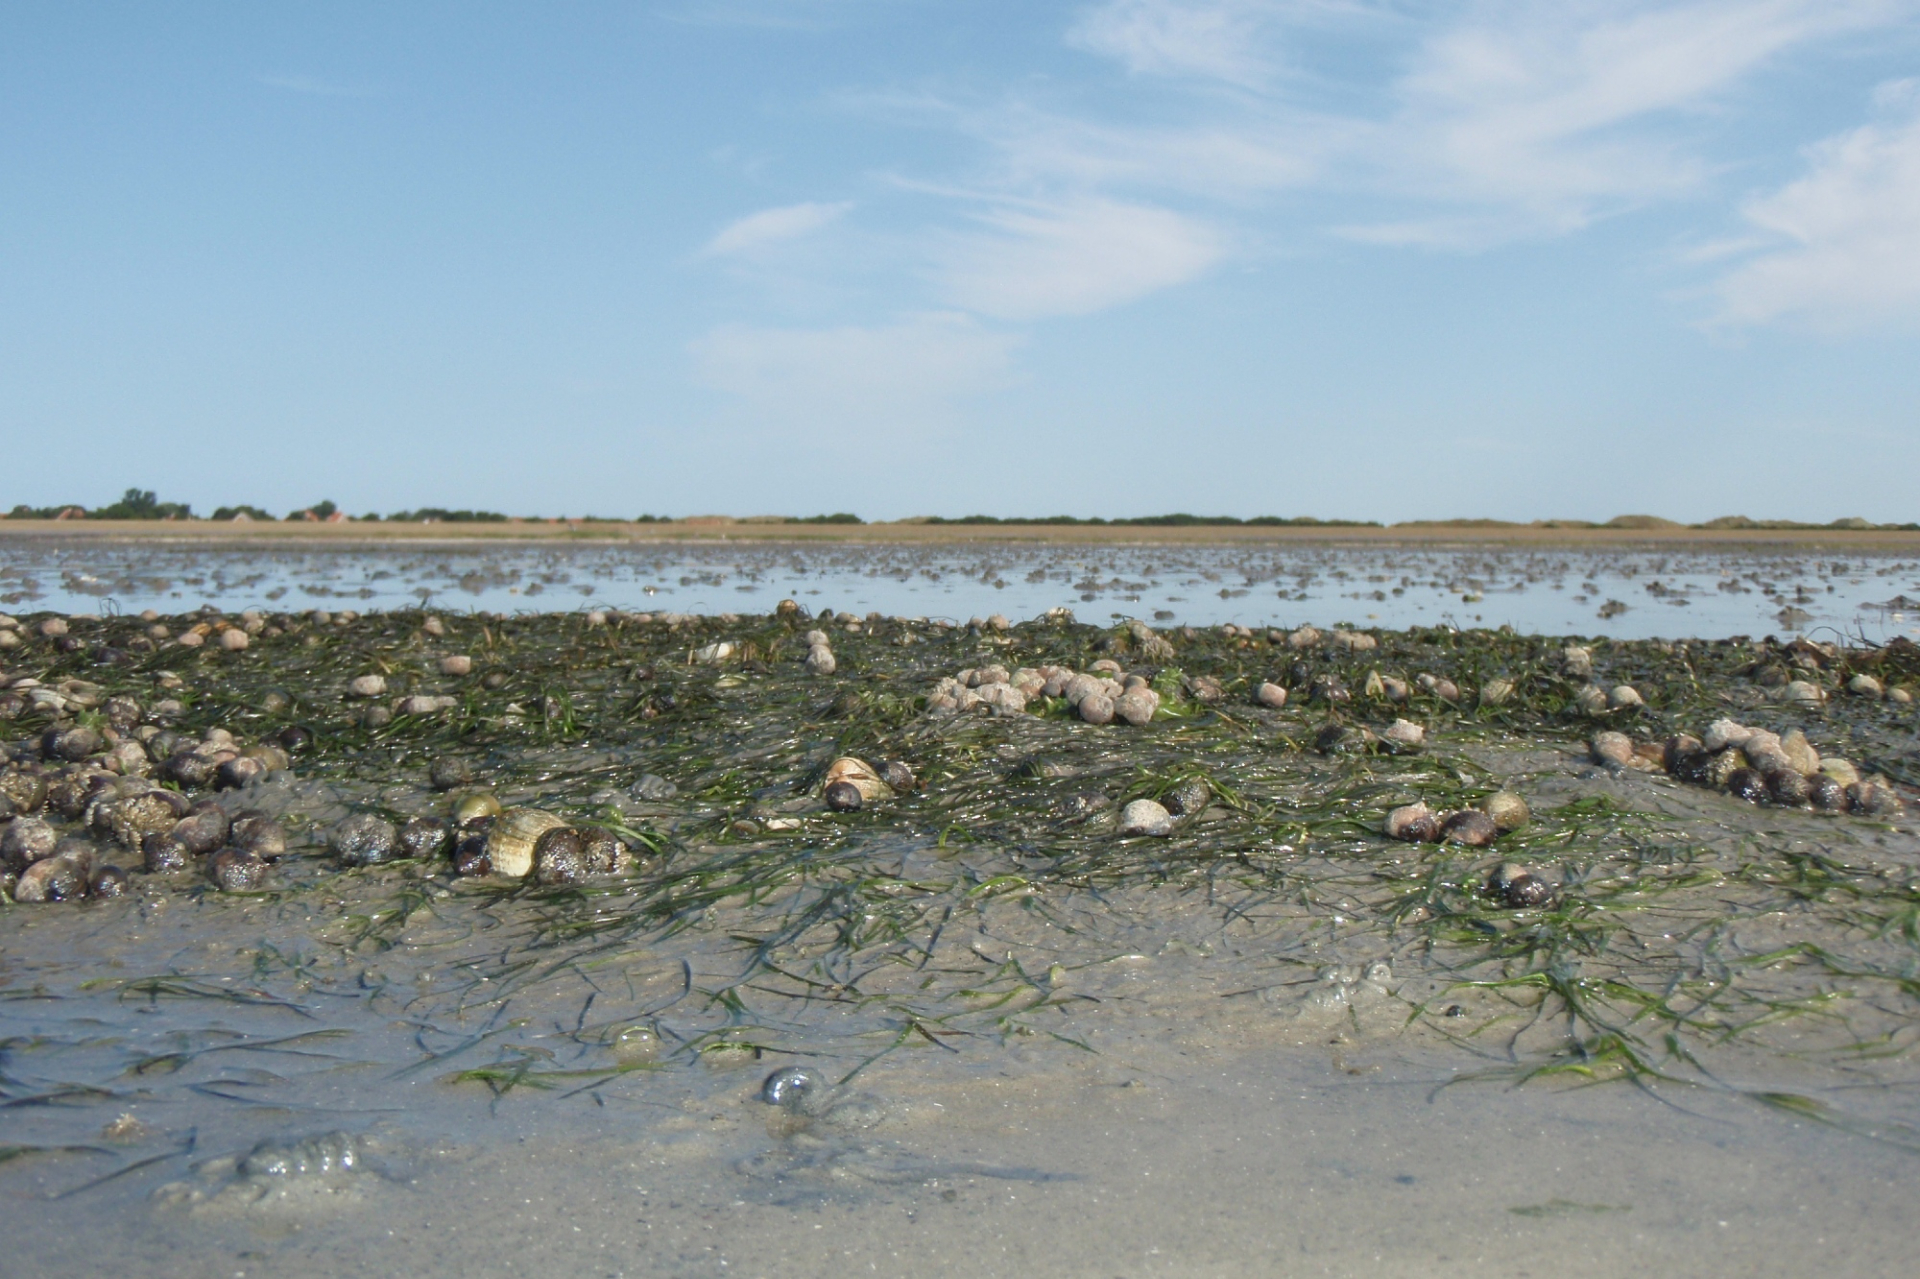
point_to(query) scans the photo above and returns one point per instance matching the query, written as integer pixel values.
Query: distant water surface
(1625, 593)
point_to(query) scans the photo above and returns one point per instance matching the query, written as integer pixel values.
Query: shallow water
(1272, 1042)
(1624, 593)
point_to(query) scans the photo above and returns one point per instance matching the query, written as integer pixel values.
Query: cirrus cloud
(769, 227)
(1841, 244)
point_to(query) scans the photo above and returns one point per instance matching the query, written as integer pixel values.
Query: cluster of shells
(1596, 700)
(1100, 695)
(1754, 764)
(1499, 813)
(820, 660)
(482, 838)
(68, 798)
(1864, 685)
(1794, 674)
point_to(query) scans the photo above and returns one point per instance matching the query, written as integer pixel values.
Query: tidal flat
(1268, 1040)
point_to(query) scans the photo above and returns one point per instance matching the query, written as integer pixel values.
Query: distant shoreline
(683, 531)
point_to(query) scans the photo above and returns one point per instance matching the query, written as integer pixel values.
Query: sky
(1343, 258)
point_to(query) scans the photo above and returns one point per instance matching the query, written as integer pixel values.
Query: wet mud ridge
(289, 894)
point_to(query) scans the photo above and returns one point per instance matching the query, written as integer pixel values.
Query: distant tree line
(1176, 520)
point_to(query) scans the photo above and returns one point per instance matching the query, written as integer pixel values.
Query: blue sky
(1331, 257)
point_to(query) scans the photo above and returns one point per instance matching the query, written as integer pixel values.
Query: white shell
(1145, 817)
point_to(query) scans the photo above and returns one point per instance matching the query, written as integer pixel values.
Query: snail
(1471, 827)
(236, 870)
(258, 834)
(163, 853)
(1788, 787)
(470, 808)
(1508, 810)
(108, 881)
(422, 837)
(365, 839)
(1519, 887)
(1188, 798)
(861, 776)
(1414, 823)
(511, 839)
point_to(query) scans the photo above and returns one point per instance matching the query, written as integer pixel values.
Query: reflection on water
(1625, 593)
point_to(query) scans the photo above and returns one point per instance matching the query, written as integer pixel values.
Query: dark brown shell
(1471, 827)
(1747, 784)
(165, 853)
(236, 871)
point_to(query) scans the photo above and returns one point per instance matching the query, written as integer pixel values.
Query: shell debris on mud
(612, 854)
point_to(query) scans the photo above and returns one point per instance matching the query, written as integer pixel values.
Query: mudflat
(1260, 1036)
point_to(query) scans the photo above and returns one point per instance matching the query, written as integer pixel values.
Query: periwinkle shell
(1414, 823)
(1188, 798)
(202, 831)
(1471, 827)
(165, 853)
(422, 837)
(1788, 787)
(258, 834)
(236, 871)
(1519, 887)
(560, 857)
(1747, 784)
(1828, 795)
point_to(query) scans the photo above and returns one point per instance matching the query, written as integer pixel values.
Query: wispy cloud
(1531, 120)
(315, 86)
(1074, 259)
(1454, 127)
(1842, 242)
(1218, 39)
(1490, 121)
(769, 227)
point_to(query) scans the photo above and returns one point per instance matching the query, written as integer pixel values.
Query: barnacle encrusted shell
(514, 833)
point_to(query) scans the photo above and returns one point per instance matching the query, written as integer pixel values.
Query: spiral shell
(514, 833)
